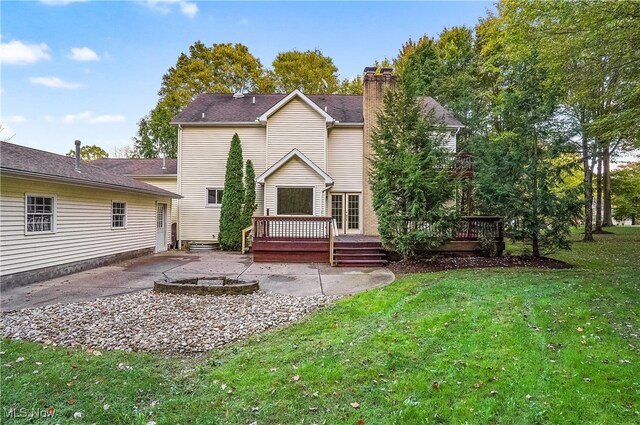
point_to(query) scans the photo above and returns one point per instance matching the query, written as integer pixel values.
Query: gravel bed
(149, 321)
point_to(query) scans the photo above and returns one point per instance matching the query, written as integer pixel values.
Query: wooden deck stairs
(358, 251)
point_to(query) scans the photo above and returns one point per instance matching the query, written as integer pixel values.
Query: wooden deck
(295, 239)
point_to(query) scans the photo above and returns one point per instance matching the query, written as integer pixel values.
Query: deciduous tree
(221, 68)
(89, 153)
(311, 72)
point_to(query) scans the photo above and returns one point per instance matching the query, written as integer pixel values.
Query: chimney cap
(386, 71)
(370, 70)
(78, 142)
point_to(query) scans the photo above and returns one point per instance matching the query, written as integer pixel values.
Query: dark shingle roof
(138, 167)
(20, 160)
(224, 108)
(430, 105)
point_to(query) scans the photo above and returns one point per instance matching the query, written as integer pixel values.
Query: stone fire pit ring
(206, 285)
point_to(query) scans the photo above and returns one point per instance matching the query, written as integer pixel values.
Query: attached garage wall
(82, 224)
(202, 163)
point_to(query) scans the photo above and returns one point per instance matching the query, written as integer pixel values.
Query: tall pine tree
(412, 183)
(231, 219)
(249, 206)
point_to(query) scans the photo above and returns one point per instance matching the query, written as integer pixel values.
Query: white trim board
(294, 152)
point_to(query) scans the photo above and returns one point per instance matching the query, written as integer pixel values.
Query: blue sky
(90, 70)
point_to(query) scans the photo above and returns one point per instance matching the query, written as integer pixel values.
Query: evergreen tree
(520, 167)
(412, 183)
(231, 221)
(249, 206)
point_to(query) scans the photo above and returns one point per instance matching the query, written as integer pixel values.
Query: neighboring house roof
(138, 167)
(27, 162)
(294, 152)
(222, 108)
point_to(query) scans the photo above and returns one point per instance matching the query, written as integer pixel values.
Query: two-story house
(310, 152)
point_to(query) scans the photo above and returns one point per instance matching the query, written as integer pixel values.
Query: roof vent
(238, 95)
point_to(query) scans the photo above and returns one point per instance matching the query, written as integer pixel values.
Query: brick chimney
(373, 89)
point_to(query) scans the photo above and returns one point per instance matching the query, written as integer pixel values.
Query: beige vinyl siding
(297, 125)
(202, 164)
(294, 173)
(450, 140)
(345, 159)
(166, 183)
(82, 223)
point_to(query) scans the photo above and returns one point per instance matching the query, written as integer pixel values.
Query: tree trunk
(588, 191)
(606, 185)
(598, 226)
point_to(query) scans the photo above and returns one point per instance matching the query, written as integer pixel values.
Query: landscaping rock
(157, 322)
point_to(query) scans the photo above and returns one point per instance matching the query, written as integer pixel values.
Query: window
(295, 201)
(39, 216)
(214, 196)
(118, 214)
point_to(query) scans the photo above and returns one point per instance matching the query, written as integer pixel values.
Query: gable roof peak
(296, 93)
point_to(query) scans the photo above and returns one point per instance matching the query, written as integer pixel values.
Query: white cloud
(91, 118)
(14, 118)
(55, 82)
(83, 54)
(60, 2)
(18, 53)
(187, 8)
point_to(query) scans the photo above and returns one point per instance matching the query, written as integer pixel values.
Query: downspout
(179, 182)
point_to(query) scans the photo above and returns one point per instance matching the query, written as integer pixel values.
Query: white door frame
(161, 244)
(344, 196)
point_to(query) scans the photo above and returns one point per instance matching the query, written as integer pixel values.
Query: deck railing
(471, 228)
(280, 227)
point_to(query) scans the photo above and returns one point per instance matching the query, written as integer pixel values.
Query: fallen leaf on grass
(296, 378)
(493, 392)
(478, 384)
(580, 330)
(19, 359)
(355, 405)
(71, 402)
(360, 422)
(435, 385)
(273, 369)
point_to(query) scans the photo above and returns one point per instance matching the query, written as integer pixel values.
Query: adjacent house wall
(202, 163)
(82, 224)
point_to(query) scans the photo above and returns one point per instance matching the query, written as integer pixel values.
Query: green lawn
(508, 346)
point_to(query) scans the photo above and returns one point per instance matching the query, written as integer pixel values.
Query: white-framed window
(294, 200)
(39, 214)
(214, 196)
(118, 215)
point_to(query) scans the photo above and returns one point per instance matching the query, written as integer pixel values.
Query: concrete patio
(306, 279)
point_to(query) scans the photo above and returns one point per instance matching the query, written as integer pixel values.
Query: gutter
(69, 180)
